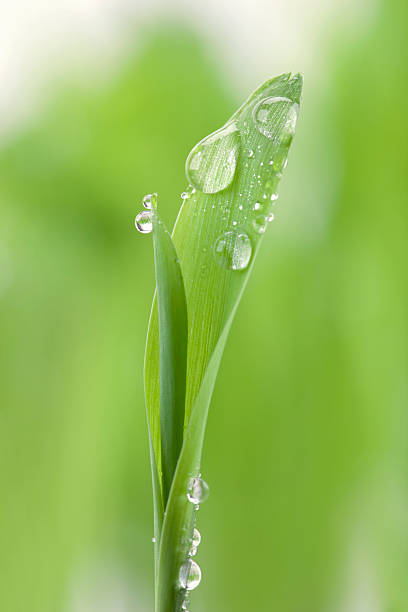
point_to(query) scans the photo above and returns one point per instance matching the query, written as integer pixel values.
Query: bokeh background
(306, 452)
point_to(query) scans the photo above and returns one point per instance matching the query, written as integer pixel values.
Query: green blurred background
(306, 451)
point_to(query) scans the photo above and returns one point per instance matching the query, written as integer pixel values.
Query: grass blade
(172, 310)
(180, 515)
(172, 315)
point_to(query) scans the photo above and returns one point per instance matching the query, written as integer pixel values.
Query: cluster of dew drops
(233, 248)
(143, 220)
(190, 572)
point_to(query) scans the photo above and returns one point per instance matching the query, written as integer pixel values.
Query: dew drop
(258, 206)
(233, 250)
(250, 153)
(240, 207)
(270, 217)
(143, 222)
(276, 118)
(190, 575)
(195, 542)
(198, 491)
(274, 196)
(211, 165)
(259, 224)
(154, 540)
(196, 539)
(150, 200)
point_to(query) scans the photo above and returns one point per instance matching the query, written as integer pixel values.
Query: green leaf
(234, 175)
(172, 314)
(172, 311)
(180, 515)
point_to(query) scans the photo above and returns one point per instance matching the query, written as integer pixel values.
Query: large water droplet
(190, 575)
(233, 250)
(143, 222)
(211, 165)
(276, 118)
(198, 490)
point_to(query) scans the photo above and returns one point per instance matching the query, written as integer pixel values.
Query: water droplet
(258, 206)
(270, 217)
(240, 207)
(259, 224)
(211, 165)
(250, 153)
(154, 540)
(143, 222)
(196, 537)
(190, 575)
(198, 491)
(274, 196)
(185, 195)
(234, 223)
(195, 542)
(276, 118)
(233, 250)
(184, 604)
(150, 200)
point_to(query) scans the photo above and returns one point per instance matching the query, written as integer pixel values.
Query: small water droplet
(211, 165)
(196, 539)
(258, 206)
(195, 542)
(259, 224)
(184, 604)
(198, 491)
(185, 195)
(154, 540)
(270, 217)
(240, 207)
(250, 153)
(190, 575)
(276, 118)
(274, 196)
(234, 223)
(233, 250)
(143, 222)
(147, 201)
